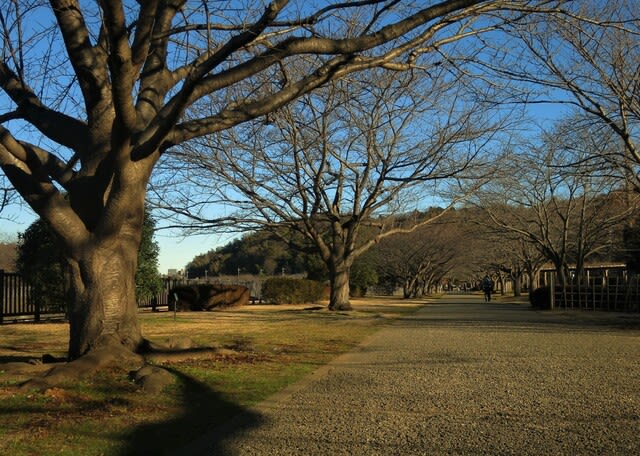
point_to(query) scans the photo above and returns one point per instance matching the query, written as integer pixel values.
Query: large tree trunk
(406, 289)
(105, 309)
(517, 284)
(339, 283)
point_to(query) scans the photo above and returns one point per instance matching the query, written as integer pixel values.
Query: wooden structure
(15, 297)
(608, 287)
(17, 303)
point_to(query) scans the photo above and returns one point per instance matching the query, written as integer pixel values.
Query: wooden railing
(15, 297)
(618, 294)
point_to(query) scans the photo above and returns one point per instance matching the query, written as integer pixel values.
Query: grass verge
(266, 349)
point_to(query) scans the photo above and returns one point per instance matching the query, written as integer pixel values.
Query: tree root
(110, 353)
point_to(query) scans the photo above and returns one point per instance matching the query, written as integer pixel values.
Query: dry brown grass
(258, 350)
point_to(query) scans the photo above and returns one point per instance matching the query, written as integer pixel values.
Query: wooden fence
(616, 294)
(16, 303)
(161, 299)
(15, 297)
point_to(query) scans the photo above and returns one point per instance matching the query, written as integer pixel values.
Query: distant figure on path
(487, 287)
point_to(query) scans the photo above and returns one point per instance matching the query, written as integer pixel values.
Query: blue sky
(176, 250)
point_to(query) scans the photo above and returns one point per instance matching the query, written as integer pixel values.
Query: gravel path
(461, 377)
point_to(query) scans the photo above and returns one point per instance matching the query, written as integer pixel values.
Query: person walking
(487, 287)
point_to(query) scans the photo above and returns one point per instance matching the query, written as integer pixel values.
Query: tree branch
(59, 127)
(89, 63)
(122, 69)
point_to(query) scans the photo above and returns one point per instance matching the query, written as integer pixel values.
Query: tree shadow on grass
(198, 430)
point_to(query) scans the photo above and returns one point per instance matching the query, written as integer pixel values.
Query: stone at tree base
(153, 379)
(180, 343)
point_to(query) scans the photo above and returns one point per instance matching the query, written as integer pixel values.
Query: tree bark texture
(105, 303)
(339, 294)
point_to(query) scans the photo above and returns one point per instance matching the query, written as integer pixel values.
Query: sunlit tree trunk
(104, 310)
(103, 263)
(339, 282)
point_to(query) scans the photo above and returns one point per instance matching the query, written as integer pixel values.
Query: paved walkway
(461, 377)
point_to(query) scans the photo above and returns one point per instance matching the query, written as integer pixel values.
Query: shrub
(291, 291)
(41, 261)
(540, 298)
(208, 296)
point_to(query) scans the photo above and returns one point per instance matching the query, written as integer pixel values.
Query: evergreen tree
(148, 280)
(41, 262)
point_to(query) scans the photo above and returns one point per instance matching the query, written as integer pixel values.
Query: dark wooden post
(1, 296)
(36, 315)
(552, 287)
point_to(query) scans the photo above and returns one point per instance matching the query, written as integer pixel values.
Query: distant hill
(8, 255)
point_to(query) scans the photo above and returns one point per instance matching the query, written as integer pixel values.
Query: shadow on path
(471, 311)
(460, 376)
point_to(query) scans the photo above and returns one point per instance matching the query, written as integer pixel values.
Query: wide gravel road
(461, 377)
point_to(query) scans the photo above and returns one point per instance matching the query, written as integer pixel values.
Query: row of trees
(563, 206)
(332, 162)
(415, 260)
(508, 241)
(282, 116)
(332, 171)
(259, 253)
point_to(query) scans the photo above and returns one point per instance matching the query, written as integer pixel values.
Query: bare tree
(418, 261)
(588, 58)
(7, 195)
(354, 155)
(511, 256)
(559, 201)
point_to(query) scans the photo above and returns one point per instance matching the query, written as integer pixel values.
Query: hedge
(291, 291)
(540, 298)
(208, 296)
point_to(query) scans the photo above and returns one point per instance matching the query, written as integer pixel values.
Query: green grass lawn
(264, 349)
